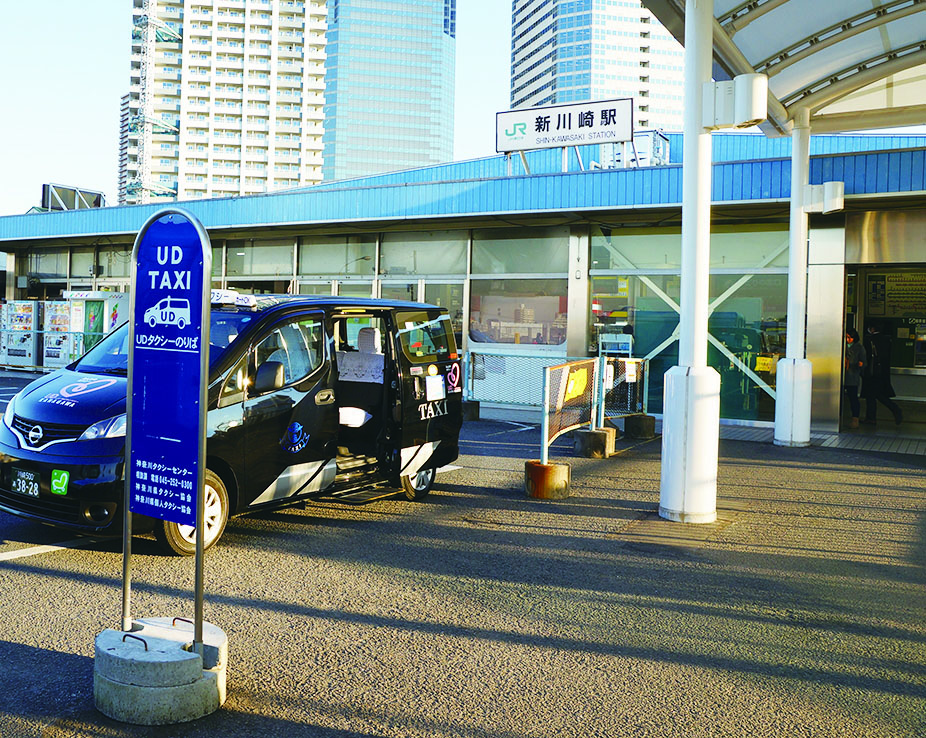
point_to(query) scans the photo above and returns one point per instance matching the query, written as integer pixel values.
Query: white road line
(448, 467)
(519, 428)
(36, 550)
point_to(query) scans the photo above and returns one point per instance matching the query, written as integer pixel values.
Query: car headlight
(109, 428)
(9, 412)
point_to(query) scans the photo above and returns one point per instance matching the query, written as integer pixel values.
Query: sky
(64, 66)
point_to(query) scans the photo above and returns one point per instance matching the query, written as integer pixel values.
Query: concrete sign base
(151, 675)
(547, 481)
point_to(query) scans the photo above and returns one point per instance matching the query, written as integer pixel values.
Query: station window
(518, 311)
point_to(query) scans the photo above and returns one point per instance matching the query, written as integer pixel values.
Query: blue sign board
(168, 357)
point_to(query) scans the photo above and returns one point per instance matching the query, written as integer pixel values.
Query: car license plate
(25, 482)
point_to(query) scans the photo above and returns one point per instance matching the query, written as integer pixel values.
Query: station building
(541, 262)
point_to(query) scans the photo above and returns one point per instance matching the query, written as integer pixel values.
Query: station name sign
(607, 121)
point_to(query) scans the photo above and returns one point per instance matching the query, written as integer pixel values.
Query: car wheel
(152, 322)
(181, 324)
(418, 485)
(181, 539)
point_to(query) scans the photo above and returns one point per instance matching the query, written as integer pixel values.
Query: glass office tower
(388, 85)
(566, 51)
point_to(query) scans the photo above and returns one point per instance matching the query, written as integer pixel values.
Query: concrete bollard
(640, 426)
(547, 481)
(151, 676)
(595, 444)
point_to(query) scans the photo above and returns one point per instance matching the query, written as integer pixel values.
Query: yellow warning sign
(576, 384)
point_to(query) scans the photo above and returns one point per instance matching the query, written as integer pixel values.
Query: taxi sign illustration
(169, 311)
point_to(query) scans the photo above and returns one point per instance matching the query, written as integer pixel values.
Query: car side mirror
(269, 376)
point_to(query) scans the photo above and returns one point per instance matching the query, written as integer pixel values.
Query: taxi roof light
(232, 298)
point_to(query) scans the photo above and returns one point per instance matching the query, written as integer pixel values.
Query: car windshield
(111, 355)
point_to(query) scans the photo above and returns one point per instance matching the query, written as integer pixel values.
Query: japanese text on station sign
(608, 121)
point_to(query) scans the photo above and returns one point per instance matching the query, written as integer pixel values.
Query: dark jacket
(855, 364)
(877, 376)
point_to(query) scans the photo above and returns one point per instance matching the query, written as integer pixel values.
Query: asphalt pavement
(481, 612)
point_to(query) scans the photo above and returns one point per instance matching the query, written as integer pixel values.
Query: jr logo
(518, 129)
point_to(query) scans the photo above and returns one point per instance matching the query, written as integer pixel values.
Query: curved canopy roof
(853, 64)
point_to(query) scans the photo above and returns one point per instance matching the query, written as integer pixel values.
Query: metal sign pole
(198, 579)
(545, 417)
(165, 443)
(126, 555)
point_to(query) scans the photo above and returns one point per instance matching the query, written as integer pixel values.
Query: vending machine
(93, 315)
(4, 327)
(22, 335)
(57, 336)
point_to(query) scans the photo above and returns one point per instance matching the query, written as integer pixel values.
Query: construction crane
(149, 30)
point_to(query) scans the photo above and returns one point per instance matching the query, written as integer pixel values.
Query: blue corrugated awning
(874, 173)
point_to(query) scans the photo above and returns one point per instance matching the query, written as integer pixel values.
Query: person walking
(876, 381)
(855, 364)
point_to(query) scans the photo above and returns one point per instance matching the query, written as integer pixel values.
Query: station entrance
(893, 299)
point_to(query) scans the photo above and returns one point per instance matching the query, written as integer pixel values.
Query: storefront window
(315, 288)
(355, 289)
(260, 286)
(270, 257)
(399, 291)
(82, 264)
(216, 261)
(518, 311)
(450, 297)
(521, 251)
(48, 263)
(115, 261)
(732, 247)
(747, 325)
(334, 255)
(430, 252)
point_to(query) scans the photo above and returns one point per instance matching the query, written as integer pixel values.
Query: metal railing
(570, 399)
(624, 387)
(508, 379)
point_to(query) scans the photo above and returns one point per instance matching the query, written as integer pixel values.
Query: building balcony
(315, 84)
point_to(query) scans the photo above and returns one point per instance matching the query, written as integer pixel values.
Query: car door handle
(325, 397)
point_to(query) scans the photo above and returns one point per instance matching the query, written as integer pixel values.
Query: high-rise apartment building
(565, 51)
(226, 98)
(389, 85)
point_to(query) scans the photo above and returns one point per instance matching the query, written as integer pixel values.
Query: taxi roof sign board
(557, 126)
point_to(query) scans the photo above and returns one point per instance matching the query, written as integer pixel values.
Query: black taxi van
(341, 399)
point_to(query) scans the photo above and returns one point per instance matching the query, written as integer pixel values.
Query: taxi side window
(235, 383)
(297, 345)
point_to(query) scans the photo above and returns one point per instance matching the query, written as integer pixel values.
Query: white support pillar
(792, 407)
(691, 406)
